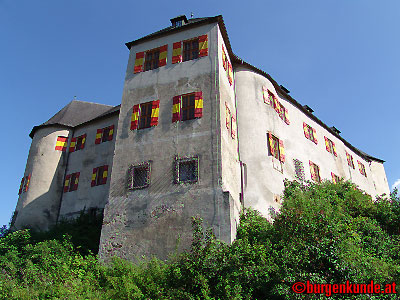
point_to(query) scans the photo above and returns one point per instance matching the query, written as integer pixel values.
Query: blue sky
(340, 57)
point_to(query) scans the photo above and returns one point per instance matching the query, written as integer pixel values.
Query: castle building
(199, 132)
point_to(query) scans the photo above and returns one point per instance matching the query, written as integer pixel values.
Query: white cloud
(396, 184)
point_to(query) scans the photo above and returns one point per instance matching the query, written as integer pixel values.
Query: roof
(191, 23)
(76, 113)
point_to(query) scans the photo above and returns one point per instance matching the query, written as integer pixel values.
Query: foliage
(325, 233)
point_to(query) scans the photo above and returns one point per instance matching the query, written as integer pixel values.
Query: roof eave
(174, 30)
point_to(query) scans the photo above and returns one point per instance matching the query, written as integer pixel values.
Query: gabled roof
(75, 113)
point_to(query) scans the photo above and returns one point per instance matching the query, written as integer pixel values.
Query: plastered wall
(265, 174)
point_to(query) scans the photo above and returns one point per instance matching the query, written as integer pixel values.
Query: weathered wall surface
(148, 221)
(229, 145)
(265, 174)
(38, 207)
(83, 161)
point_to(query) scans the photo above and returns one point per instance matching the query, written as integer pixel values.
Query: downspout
(65, 174)
(242, 164)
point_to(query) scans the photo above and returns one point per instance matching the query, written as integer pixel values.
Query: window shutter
(94, 177)
(176, 109)
(203, 45)
(21, 186)
(281, 151)
(72, 145)
(265, 95)
(105, 174)
(315, 136)
(61, 143)
(328, 148)
(163, 56)
(271, 98)
(305, 128)
(83, 141)
(98, 136)
(333, 177)
(312, 171)
(224, 60)
(287, 117)
(177, 52)
(227, 117)
(233, 127)
(334, 149)
(271, 144)
(230, 73)
(139, 62)
(135, 117)
(198, 104)
(66, 183)
(76, 181)
(111, 133)
(154, 112)
(360, 167)
(27, 180)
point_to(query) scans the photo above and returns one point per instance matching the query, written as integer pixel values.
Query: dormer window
(179, 21)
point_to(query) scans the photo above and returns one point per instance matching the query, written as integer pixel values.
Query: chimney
(335, 130)
(285, 89)
(179, 21)
(309, 109)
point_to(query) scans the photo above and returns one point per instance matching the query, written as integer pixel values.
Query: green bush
(325, 233)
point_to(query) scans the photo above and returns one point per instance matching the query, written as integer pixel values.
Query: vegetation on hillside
(326, 233)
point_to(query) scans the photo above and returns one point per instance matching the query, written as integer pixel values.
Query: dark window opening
(79, 141)
(140, 176)
(152, 59)
(190, 49)
(188, 171)
(106, 133)
(72, 182)
(145, 115)
(188, 105)
(99, 175)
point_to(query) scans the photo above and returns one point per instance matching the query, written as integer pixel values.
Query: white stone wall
(265, 180)
(83, 161)
(38, 207)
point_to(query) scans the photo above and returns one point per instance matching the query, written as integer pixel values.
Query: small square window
(152, 59)
(187, 170)
(191, 49)
(139, 176)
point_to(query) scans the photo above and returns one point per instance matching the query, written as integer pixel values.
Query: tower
(172, 159)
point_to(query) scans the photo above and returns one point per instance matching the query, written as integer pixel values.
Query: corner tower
(171, 153)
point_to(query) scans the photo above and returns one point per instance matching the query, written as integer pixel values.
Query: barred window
(187, 170)
(139, 176)
(299, 170)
